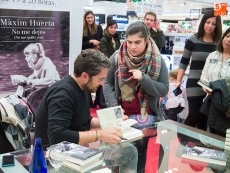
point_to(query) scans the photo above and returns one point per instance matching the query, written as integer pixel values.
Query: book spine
(228, 131)
(228, 135)
(227, 139)
(227, 148)
(227, 144)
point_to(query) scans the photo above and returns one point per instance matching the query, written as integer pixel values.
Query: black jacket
(106, 45)
(97, 36)
(216, 105)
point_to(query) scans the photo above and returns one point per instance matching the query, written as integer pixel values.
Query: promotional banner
(39, 41)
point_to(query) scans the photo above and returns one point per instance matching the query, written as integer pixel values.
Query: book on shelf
(112, 117)
(204, 84)
(78, 168)
(79, 154)
(205, 155)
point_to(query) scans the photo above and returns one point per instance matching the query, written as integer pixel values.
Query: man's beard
(86, 87)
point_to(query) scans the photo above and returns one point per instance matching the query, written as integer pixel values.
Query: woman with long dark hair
(110, 41)
(137, 77)
(196, 50)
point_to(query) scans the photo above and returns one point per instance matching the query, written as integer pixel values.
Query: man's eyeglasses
(100, 81)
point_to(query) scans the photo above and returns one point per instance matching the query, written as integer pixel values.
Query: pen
(124, 139)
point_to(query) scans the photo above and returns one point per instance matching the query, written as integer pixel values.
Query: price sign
(220, 9)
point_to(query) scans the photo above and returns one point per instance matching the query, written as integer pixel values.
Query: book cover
(23, 32)
(205, 155)
(112, 117)
(204, 84)
(79, 154)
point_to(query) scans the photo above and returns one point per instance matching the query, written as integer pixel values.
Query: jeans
(123, 155)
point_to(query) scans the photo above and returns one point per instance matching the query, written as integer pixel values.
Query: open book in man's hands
(204, 84)
(112, 117)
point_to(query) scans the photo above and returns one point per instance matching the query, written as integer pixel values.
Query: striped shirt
(196, 51)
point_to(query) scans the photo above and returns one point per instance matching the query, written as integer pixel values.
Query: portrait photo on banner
(34, 48)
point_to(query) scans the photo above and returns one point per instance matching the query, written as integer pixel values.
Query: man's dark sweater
(62, 113)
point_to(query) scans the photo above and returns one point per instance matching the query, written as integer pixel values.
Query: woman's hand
(208, 92)
(97, 47)
(137, 74)
(94, 42)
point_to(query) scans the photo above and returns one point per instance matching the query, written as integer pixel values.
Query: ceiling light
(191, 4)
(173, 1)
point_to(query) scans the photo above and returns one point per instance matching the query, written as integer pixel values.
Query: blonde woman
(92, 33)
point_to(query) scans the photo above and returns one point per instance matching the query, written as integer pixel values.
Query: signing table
(160, 150)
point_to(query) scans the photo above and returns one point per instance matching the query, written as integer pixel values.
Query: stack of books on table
(81, 158)
(227, 147)
(206, 155)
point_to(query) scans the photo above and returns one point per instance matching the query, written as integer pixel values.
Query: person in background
(196, 50)
(175, 103)
(64, 112)
(110, 41)
(216, 68)
(92, 33)
(156, 34)
(137, 77)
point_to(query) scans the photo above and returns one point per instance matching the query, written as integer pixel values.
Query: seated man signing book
(64, 112)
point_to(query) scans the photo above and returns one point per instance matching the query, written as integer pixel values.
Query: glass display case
(161, 148)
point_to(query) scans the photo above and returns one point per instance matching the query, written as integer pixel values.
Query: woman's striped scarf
(149, 63)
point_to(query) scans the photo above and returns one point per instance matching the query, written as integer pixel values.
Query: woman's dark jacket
(97, 36)
(216, 105)
(106, 45)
